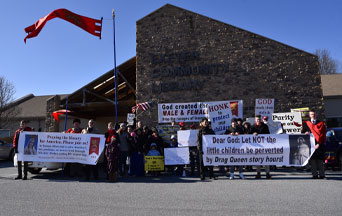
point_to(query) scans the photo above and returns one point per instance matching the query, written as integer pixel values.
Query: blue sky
(63, 57)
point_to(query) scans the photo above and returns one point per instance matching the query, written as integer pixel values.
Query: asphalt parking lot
(289, 192)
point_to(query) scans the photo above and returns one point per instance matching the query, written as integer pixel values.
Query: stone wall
(186, 57)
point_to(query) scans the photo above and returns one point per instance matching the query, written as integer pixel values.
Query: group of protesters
(126, 146)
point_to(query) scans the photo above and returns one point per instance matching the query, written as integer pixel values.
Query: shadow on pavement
(6, 164)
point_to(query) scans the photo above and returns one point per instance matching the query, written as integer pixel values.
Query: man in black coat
(260, 128)
(318, 129)
(204, 130)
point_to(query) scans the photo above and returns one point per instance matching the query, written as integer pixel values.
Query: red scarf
(318, 130)
(111, 133)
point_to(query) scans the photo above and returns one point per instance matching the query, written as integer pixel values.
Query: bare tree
(7, 111)
(327, 65)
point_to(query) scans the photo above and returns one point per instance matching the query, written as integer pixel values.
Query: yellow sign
(166, 131)
(304, 111)
(154, 163)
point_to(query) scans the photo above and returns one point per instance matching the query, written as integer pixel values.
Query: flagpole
(116, 97)
(65, 125)
(66, 114)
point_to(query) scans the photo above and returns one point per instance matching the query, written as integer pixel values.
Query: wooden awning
(97, 98)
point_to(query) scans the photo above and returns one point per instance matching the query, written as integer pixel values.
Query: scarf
(318, 130)
(110, 134)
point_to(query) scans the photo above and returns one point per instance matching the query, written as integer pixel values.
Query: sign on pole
(287, 120)
(222, 112)
(176, 156)
(187, 138)
(130, 118)
(154, 163)
(264, 107)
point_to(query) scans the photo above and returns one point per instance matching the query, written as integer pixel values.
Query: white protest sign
(176, 156)
(222, 112)
(130, 118)
(187, 138)
(274, 127)
(60, 147)
(264, 107)
(270, 149)
(287, 119)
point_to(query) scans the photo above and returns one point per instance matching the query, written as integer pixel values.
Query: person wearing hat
(76, 128)
(153, 150)
(181, 126)
(125, 148)
(265, 119)
(174, 142)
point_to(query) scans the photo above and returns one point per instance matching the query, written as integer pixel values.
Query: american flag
(144, 106)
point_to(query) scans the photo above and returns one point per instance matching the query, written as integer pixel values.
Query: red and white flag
(144, 106)
(90, 25)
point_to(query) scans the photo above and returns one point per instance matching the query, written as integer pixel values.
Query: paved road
(287, 193)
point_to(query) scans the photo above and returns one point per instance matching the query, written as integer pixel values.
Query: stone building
(183, 56)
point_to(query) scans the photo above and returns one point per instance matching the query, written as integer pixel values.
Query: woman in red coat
(112, 155)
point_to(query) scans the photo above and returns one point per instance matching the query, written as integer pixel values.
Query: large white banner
(264, 107)
(60, 147)
(176, 156)
(222, 112)
(287, 119)
(270, 149)
(187, 138)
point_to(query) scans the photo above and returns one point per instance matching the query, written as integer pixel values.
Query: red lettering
(170, 113)
(264, 101)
